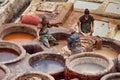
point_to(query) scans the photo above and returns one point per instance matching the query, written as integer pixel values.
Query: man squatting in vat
(73, 43)
(45, 36)
(43, 25)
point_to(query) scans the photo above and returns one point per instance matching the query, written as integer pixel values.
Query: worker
(42, 24)
(44, 34)
(86, 23)
(73, 42)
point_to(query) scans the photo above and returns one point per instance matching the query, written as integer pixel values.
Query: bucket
(30, 19)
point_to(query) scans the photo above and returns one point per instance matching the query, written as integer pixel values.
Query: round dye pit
(7, 54)
(110, 48)
(61, 36)
(18, 33)
(93, 68)
(108, 52)
(111, 76)
(10, 52)
(32, 48)
(48, 63)
(33, 76)
(87, 65)
(19, 38)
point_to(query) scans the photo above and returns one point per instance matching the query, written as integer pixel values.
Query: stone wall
(10, 9)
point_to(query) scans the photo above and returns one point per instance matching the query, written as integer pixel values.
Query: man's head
(44, 20)
(86, 12)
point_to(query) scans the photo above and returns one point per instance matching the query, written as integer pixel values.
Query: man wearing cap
(73, 43)
(86, 23)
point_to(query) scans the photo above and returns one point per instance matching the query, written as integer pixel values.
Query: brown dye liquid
(19, 38)
(7, 54)
(88, 68)
(62, 43)
(108, 52)
(2, 74)
(115, 79)
(47, 65)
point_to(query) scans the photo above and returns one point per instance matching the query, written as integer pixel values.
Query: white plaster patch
(101, 28)
(113, 8)
(84, 4)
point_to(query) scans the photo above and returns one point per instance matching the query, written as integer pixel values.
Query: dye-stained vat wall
(26, 33)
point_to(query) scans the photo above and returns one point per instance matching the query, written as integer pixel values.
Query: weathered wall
(10, 9)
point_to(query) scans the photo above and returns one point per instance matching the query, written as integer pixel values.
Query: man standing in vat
(86, 24)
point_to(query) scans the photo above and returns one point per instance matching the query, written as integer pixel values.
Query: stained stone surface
(101, 28)
(113, 8)
(83, 5)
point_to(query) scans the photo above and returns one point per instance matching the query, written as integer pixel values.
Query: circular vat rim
(20, 57)
(9, 28)
(39, 54)
(113, 43)
(33, 72)
(90, 54)
(7, 71)
(110, 75)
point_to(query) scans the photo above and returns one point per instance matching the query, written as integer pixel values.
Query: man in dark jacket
(73, 43)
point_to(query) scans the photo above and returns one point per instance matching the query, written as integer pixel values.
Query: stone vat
(49, 63)
(10, 52)
(111, 46)
(60, 35)
(87, 66)
(33, 48)
(4, 72)
(33, 76)
(111, 76)
(18, 33)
